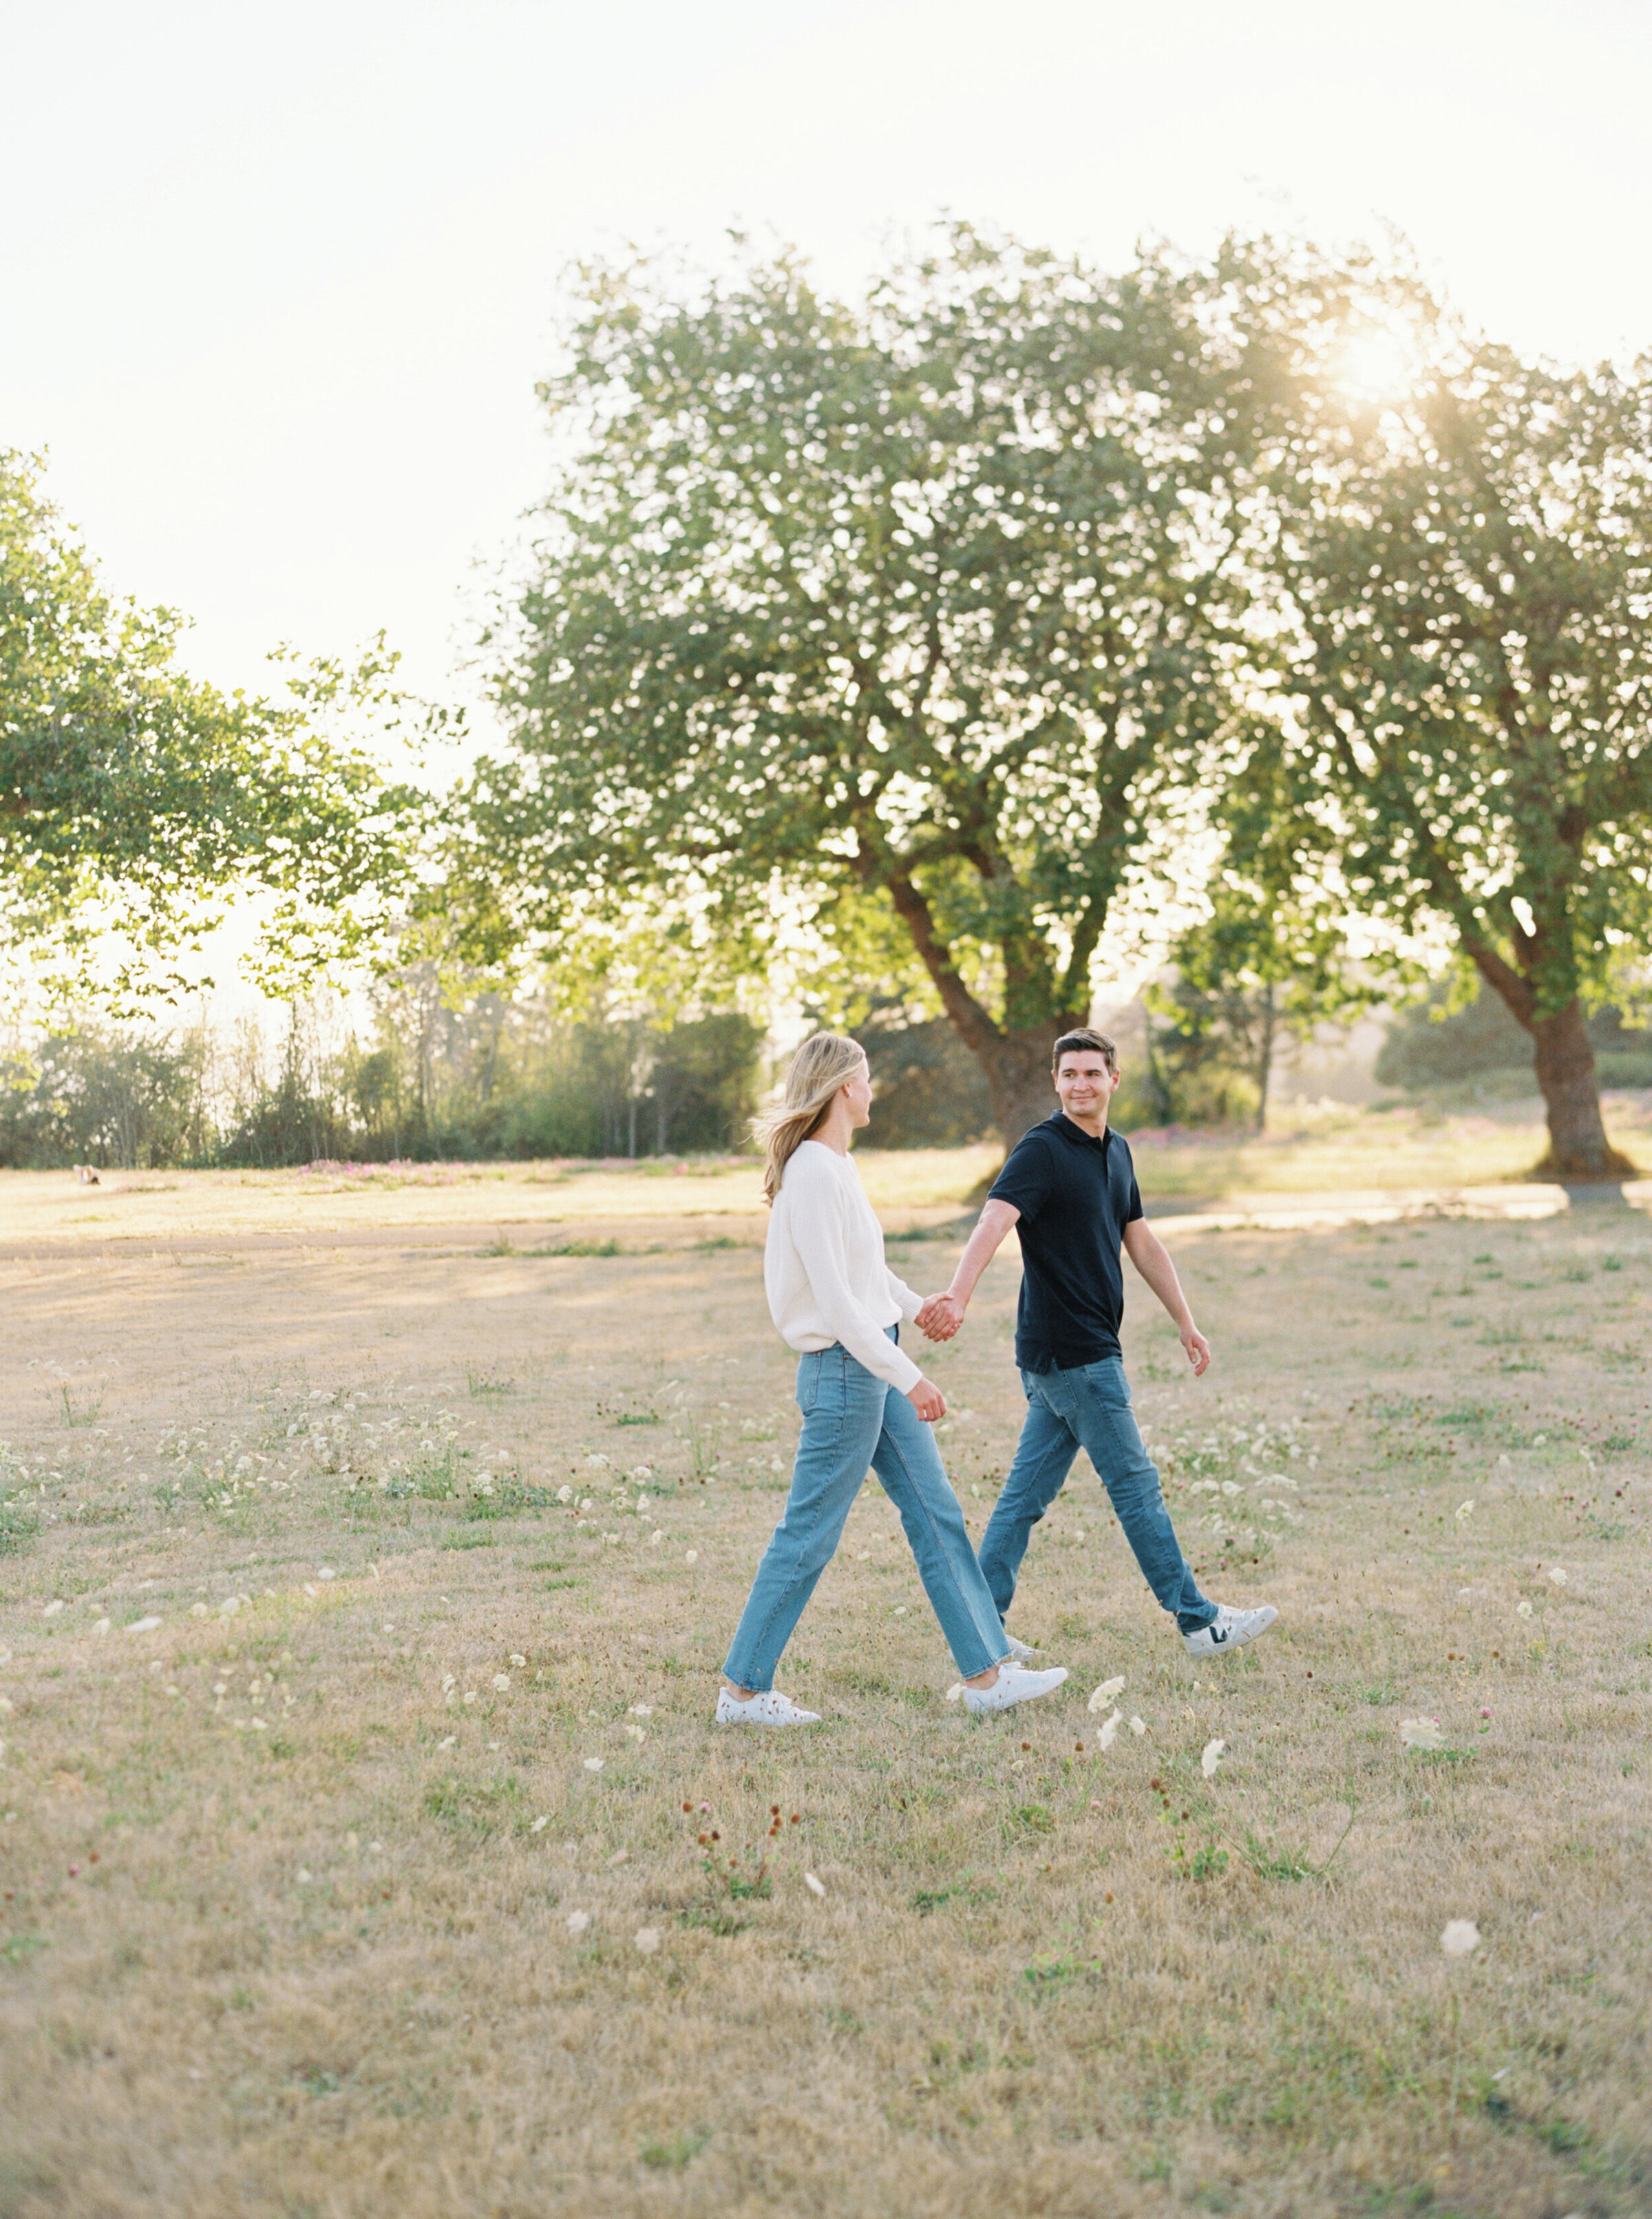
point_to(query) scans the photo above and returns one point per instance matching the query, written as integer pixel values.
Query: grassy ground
(365, 1845)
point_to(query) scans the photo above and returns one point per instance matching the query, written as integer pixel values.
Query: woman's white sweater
(824, 1269)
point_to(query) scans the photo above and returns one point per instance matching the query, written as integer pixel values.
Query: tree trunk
(1265, 1057)
(1578, 1148)
(1017, 1067)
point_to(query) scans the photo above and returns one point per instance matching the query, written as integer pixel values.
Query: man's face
(1085, 1084)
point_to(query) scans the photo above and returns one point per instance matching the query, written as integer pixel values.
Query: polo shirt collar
(1070, 1129)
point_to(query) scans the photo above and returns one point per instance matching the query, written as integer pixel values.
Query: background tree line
(435, 1079)
(502, 1077)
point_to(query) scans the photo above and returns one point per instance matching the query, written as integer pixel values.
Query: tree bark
(1265, 1057)
(1017, 1062)
(1017, 1067)
(1578, 1148)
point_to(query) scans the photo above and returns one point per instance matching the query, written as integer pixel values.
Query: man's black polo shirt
(1076, 1195)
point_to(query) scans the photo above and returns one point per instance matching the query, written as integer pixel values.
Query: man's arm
(1151, 1259)
(943, 1315)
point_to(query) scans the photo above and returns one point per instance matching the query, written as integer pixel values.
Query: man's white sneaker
(1013, 1686)
(1020, 1651)
(769, 1709)
(1229, 1629)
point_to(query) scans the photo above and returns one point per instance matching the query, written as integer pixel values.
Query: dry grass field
(365, 1846)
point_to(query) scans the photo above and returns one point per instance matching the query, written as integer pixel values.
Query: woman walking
(863, 1402)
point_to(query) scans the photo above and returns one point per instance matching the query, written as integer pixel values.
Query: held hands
(941, 1317)
(927, 1401)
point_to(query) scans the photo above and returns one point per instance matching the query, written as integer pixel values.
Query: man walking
(1070, 1189)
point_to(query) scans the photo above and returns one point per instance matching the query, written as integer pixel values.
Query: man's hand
(941, 1317)
(1198, 1349)
(927, 1401)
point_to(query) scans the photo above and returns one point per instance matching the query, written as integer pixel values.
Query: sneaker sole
(777, 1725)
(997, 1709)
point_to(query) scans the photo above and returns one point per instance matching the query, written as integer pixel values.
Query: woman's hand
(940, 1316)
(927, 1401)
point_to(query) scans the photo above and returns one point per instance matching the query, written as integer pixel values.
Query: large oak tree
(915, 602)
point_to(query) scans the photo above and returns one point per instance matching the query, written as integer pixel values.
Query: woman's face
(857, 1092)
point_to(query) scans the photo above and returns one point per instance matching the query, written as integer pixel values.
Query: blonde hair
(824, 1063)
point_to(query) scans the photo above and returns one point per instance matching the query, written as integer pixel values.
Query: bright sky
(276, 283)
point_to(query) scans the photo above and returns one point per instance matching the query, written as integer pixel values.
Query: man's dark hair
(1085, 1037)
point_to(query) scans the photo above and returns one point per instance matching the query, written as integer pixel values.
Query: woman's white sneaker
(1013, 1686)
(1229, 1629)
(769, 1709)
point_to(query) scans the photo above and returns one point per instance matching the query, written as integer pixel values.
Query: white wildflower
(501, 1683)
(144, 1625)
(1212, 1758)
(691, 1555)
(1111, 1728)
(470, 1695)
(641, 1710)
(619, 1857)
(101, 1626)
(1104, 1694)
(451, 1741)
(1421, 1733)
(448, 1683)
(1557, 1572)
(1523, 1608)
(642, 1471)
(1461, 1937)
(594, 1764)
(1137, 1726)
(599, 1462)
(578, 1922)
(539, 1825)
(564, 1495)
(814, 1886)
(1465, 1510)
(53, 1607)
(520, 1663)
(229, 1606)
(647, 1939)
(954, 1691)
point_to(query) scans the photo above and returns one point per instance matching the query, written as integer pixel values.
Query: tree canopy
(131, 794)
(1459, 578)
(950, 607)
(918, 604)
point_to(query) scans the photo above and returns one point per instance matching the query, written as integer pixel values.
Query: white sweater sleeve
(817, 1235)
(900, 1292)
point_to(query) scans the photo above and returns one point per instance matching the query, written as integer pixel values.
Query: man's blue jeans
(852, 1419)
(1089, 1408)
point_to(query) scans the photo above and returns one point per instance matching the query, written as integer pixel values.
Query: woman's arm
(815, 1211)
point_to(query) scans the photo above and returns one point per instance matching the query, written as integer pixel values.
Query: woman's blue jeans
(1088, 1407)
(851, 1420)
